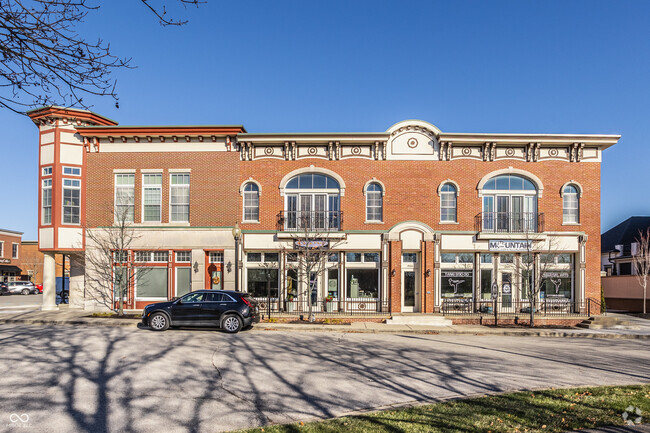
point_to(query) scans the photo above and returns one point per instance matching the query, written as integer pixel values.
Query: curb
(430, 331)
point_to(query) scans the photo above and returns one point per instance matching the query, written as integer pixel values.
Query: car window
(228, 298)
(193, 297)
(213, 297)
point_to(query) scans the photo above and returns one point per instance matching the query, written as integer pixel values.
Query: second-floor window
(47, 201)
(374, 202)
(180, 197)
(71, 201)
(570, 205)
(14, 251)
(509, 204)
(124, 197)
(312, 203)
(152, 197)
(448, 203)
(251, 202)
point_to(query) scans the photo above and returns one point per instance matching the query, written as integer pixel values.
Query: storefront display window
(151, 283)
(557, 284)
(257, 282)
(457, 283)
(363, 283)
(333, 282)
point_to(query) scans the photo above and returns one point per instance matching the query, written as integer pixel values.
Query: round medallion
(510, 151)
(412, 142)
(268, 151)
(467, 151)
(362, 306)
(356, 150)
(553, 152)
(262, 305)
(312, 150)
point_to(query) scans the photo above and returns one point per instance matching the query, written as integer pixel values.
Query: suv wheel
(158, 322)
(25, 292)
(232, 324)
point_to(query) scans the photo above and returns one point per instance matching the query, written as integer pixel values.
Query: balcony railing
(509, 222)
(315, 221)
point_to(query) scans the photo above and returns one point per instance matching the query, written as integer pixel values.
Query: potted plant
(329, 303)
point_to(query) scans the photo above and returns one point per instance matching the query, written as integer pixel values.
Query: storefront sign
(456, 284)
(310, 245)
(555, 275)
(5, 261)
(497, 245)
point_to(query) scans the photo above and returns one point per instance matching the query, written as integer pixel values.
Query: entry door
(313, 288)
(320, 203)
(506, 290)
(517, 213)
(410, 283)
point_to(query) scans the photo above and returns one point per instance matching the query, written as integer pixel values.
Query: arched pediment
(312, 169)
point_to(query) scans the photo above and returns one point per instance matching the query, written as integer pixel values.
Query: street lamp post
(236, 233)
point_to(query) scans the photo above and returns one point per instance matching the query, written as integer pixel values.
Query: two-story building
(10, 255)
(415, 217)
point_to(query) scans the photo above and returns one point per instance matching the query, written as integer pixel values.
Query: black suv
(225, 309)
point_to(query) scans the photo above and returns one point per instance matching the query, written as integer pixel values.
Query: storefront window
(292, 283)
(457, 284)
(486, 283)
(257, 283)
(151, 282)
(363, 283)
(448, 258)
(486, 258)
(353, 257)
(333, 282)
(254, 257)
(371, 257)
(557, 284)
(506, 258)
(465, 258)
(120, 280)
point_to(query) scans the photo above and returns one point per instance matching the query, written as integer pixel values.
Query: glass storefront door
(410, 283)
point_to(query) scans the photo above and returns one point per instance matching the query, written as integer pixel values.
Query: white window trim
(46, 168)
(143, 198)
(578, 195)
(2, 249)
(365, 194)
(182, 251)
(43, 188)
(12, 250)
(115, 194)
(63, 187)
(243, 195)
(71, 168)
(440, 194)
(170, 196)
(135, 285)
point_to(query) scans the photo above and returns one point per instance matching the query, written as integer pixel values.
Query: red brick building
(418, 220)
(10, 255)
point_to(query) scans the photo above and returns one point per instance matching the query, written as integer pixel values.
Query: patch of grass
(554, 410)
(335, 322)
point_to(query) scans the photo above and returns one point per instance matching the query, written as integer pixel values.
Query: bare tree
(312, 247)
(43, 60)
(641, 260)
(108, 270)
(536, 267)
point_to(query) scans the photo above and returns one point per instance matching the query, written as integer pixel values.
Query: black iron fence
(509, 222)
(322, 221)
(322, 306)
(553, 307)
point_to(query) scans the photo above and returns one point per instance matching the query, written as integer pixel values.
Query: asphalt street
(15, 302)
(115, 379)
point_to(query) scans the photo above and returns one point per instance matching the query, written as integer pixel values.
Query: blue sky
(465, 66)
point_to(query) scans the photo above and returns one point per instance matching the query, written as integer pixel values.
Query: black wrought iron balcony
(509, 222)
(314, 221)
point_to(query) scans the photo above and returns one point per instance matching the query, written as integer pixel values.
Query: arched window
(312, 203)
(374, 202)
(448, 195)
(251, 202)
(570, 205)
(509, 204)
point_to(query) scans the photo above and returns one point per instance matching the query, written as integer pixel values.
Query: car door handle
(222, 304)
(196, 305)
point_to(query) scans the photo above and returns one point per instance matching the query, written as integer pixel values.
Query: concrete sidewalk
(641, 328)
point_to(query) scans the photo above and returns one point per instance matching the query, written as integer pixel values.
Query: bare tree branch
(641, 260)
(44, 61)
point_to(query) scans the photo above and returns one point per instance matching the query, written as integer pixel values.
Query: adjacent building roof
(624, 233)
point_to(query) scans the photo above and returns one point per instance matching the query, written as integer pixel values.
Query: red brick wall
(214, 185)
(7, 250)
(411, 194)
